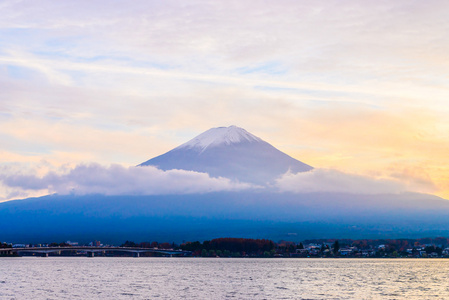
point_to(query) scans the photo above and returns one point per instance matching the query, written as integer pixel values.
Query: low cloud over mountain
(332, 181)
(119, 180)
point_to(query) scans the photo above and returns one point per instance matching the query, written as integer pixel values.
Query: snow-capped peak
(229, 152)
(220, 136)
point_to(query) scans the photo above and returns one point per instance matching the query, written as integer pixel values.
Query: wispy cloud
(119, 180)
(332, 181)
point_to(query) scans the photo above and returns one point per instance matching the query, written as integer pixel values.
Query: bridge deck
(95, 249)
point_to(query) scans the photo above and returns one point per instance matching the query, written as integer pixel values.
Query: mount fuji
(265, 212)
(230, 152)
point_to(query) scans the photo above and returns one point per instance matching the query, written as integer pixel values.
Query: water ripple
(193, 278)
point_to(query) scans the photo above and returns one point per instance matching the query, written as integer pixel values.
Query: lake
(222, 278)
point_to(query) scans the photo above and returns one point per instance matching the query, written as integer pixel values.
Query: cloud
(119, 180)
(416, 178)
(43, 178)
(332, 181)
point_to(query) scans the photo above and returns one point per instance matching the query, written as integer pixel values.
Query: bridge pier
(137, 254)
(6, 252)
(45, 254)
(90, 254)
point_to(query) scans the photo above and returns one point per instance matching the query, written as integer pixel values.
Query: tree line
(231, 247)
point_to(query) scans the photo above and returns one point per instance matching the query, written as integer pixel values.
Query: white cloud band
(119, 180)
(332, 181)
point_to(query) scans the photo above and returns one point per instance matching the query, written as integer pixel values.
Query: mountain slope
(230, 152)
(256, 214)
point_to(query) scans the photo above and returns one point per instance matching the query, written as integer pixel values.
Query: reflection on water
(221, 278)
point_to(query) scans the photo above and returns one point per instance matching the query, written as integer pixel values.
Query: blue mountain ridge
(272, 215)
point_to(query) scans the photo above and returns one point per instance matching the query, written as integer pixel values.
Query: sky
(359, 87)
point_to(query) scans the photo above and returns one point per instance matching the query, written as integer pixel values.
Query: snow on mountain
(230, 152)
(220, 136)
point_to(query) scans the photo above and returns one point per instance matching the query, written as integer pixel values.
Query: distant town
(242, 247)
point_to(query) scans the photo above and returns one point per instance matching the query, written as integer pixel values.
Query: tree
(291, 248)
(129, 244)
(236, 254)
(336, 247)
(194, 246)
(4, 245)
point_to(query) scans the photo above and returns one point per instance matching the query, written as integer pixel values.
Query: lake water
(222, 278)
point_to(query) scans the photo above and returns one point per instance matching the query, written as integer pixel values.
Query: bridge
(90, 251)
